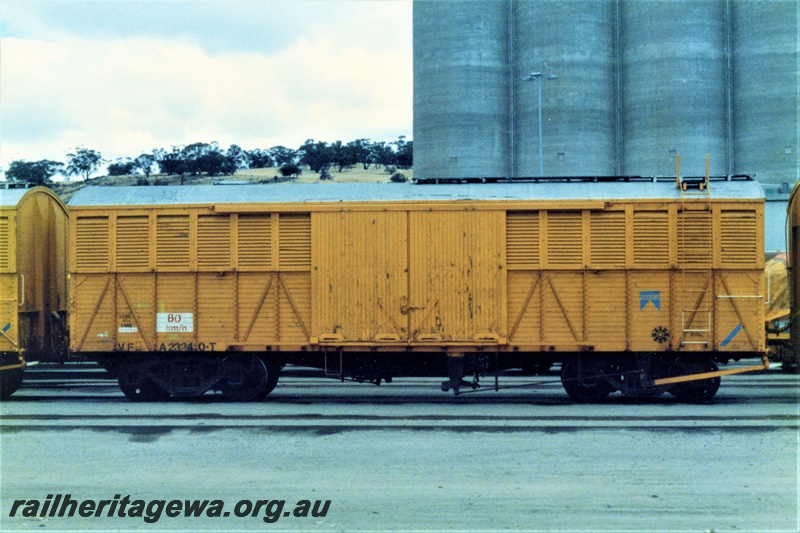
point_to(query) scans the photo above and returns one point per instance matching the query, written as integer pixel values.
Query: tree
(316, 154)
(343, 156)
(237, 156)
(290, 169)
(84, 162)
(171, 163)
(398, 177)
(404, 153)
(215, 163)
(259, 158)
(204, 158)
(282, 155)
(34, 172)
(122, 167)
(383, 154)
(145, 162)
(197, 158)
(362, 151)
(192, 155)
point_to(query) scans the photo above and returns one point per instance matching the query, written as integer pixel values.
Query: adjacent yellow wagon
(33, 281)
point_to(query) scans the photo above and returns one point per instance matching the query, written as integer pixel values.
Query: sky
(123, 77)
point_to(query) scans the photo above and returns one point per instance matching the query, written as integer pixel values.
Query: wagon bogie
(592, 377)
(237, 377)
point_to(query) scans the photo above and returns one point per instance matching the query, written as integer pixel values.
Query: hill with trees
(193, 162)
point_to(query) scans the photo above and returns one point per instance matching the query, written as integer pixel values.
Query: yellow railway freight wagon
(33, 281)
(631, 284)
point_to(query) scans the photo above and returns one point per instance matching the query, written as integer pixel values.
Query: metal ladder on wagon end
(695, 240)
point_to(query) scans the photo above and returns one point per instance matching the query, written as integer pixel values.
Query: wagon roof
(13, 197)
(282, 193)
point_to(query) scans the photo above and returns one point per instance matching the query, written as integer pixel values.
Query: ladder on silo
(695, 258)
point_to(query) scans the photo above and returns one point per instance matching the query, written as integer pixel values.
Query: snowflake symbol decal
(660, 334)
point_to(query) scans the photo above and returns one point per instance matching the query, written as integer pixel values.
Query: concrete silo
(626, 86)
(574, 41)
(461, 88)
(673, 67)
(766, 89)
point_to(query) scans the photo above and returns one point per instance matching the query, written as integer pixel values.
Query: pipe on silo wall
(461, 88)
(574, 41)
(673, 90)
(766, 89)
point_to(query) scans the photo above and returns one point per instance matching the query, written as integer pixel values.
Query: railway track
(56, 399)
(528, 455)
(73, 381)
(321, 423)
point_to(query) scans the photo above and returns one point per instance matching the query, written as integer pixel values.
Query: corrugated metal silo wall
(660, 77)
(574, 41)
(461, 88)
(766, 89)
(674, 95)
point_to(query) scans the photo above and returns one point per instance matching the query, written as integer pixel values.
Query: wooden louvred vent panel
(213, 242)
(739, 238)
(694, 239)
(133, 243)
(172, 242)
(565, 239)
(255, 242)
(91, 244)
(522, 240)
(651, 238)
(4, 243)
(607, 239)
(295, 242)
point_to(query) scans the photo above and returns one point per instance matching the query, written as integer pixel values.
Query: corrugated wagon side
(188, 280)
(639, 289)
(33, 281)
(626, 284)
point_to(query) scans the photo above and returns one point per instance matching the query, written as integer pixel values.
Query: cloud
(123, 96)
(265, 26)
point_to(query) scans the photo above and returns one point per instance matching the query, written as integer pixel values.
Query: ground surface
(406, 456)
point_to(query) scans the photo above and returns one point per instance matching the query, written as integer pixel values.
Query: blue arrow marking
(731, 335)
(645, 297)
(7, 327)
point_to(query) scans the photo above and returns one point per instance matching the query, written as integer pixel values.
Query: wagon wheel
(273, 373)
(694, 391)
(245, 378)
(583, 383)
(137, 385)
